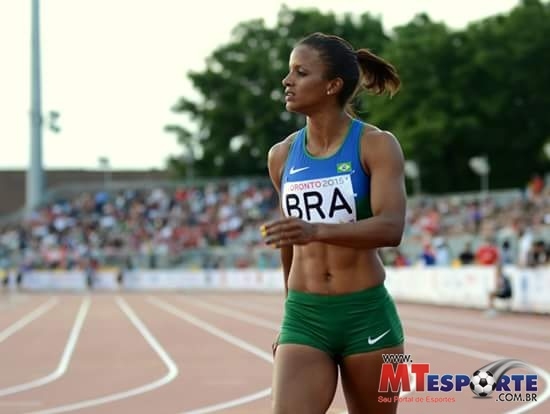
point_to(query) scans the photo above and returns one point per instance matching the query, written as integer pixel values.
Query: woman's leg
(304, 380)
(360, 380)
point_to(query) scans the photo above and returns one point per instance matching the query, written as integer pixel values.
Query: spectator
(476, 215)
(535, 187)
(507, 256)
(487, 254)
(538, 254)
(427, 256)
(525, 243)
(165, 225)
(467, 256)
(400, 260)
(442, 252)
(393, 257)
(4, 279)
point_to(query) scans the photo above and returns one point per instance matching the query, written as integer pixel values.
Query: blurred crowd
(150, 228)
(216, 224)
(509, 227)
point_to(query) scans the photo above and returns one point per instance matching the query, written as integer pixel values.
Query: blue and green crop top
(333, 189)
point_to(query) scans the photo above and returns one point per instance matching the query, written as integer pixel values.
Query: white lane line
(20, 403)
(153, 343)
(499, 323)
(12, 300)
(235, 314)
(419, 316)
(443, 346)
(419, 324)
(455, 349)
(255, 306)
(65, 358)
(466, 333)
(233, 403)
(264, 323)
(25, 320)
(213, 330)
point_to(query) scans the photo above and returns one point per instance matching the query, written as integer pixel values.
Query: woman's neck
(326, 131)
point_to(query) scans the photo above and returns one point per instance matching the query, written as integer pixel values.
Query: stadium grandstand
(145, 221)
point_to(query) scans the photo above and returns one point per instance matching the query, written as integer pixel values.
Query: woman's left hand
(288, 231)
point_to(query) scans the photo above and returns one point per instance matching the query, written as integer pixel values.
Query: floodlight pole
(412, 171)
(485, 184)
(35, 180)
(485, 177)
(105, 165)
(417, 186)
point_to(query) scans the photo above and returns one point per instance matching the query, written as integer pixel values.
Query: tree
(241, 113)
(481, 90)
(421, 114)
(507, 71)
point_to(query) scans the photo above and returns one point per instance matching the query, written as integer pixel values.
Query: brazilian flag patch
(343, 167)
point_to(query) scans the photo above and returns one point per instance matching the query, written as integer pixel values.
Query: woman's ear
(335, 86)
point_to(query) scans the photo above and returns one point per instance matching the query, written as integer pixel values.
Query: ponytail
(360, 70)
(379, 76)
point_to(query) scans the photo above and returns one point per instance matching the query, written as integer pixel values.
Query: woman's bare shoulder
(278, 152)
(276, 157)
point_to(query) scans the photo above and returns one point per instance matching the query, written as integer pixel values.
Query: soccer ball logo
(482, 383)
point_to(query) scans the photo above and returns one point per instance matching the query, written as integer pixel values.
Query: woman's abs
(333, 270)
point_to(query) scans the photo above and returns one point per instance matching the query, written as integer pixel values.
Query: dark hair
(359, 70)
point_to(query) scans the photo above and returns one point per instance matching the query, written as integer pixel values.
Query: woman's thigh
(360, 381)
(304, 380)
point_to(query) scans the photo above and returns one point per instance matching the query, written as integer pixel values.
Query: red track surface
(200, 353)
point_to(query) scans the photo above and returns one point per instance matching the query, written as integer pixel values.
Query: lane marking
(469, 352)
(416, 323)
(507, 326)
(232, 403)
(235, 314)
(65, 358)
(456, 349)
(255, 306)
(211, 329)
(227, 337)
(12, 300)
(25, 320)
(466, 333)
(263, 323)
(153, 343)
(20, 403)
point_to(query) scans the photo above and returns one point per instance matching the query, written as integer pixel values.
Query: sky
(114, 68)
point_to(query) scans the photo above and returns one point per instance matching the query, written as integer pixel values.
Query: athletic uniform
(334, 189)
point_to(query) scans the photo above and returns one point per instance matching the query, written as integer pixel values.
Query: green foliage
(481, 90)
(242, 112)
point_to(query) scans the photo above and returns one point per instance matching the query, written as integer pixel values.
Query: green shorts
(342, 325)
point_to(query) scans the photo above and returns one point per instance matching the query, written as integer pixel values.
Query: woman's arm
(384, 158)
(275, 163)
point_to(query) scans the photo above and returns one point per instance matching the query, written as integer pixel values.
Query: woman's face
(305, 85)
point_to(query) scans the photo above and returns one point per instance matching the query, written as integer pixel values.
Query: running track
(204, 353)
